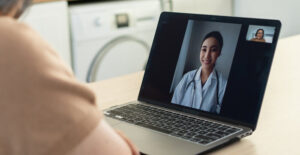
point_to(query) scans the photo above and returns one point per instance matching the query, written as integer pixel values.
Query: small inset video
(258, 33)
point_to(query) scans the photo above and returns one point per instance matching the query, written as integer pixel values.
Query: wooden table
(278, 130)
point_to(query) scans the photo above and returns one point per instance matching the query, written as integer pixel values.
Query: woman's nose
(207, 54)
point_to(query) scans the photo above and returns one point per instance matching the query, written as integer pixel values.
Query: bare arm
(105, 140)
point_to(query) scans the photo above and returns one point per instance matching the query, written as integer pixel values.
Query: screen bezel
(237, 20)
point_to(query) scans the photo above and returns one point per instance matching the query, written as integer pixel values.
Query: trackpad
(152, 142)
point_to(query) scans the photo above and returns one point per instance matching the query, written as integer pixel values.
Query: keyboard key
(154, 128)
(214, 136)
(221, 133)
(204, 137)
(202, 132)
(211, 130)
(223, 128)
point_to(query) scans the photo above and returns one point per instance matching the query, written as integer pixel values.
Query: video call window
(259, 33)
(204, 63)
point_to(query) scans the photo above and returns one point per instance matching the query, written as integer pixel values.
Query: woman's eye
(203, 49)
(214, 49)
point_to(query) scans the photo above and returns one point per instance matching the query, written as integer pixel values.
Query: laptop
(203, 85)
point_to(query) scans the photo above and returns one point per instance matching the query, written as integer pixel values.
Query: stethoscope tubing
(193, 81)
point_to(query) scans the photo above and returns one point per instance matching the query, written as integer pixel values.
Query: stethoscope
(193, 81)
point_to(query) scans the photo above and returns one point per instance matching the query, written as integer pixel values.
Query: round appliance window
(120, 56)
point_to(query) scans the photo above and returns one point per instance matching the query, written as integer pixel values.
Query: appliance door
(122, 55)
(112, 39)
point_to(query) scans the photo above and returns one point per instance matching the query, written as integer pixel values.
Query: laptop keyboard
(186, 127)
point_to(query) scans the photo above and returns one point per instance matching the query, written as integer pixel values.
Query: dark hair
(262, 31)
(7, 5)
(217, 35)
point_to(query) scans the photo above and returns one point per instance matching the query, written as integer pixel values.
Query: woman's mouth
(206, 61)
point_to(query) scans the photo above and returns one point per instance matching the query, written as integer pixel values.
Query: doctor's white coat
(190, 93)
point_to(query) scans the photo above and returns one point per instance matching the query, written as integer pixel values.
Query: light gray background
(190, 51)
(269, 32)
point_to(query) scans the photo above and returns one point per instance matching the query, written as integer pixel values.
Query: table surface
(278, 130)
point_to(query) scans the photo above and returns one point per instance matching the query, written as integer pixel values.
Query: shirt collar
(212, 75)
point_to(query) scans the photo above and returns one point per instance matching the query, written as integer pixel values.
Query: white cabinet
(51, 20)
(214, 7)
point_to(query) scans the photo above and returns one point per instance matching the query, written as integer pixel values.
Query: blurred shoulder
(17, 38)
(14, 32)
(14, 27)
(190, 74)
(222, 79)
(22, 46)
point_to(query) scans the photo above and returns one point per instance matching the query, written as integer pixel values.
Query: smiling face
(210, 51)
(260, 34)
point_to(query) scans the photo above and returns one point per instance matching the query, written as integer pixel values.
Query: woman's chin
(206, 66)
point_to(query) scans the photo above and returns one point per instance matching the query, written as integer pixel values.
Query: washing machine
(111, 39)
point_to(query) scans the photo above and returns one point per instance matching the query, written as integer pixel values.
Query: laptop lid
(213, 66)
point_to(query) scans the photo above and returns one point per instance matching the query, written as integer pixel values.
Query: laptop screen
(210, 65)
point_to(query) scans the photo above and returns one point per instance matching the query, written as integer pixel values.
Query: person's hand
(133, 148)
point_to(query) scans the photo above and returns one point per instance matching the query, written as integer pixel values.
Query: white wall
(215, 7)
(288, 11)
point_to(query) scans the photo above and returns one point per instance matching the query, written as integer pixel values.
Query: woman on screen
(203, 88)
(259, 36)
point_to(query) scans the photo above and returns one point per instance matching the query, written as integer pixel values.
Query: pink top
(43, 108)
